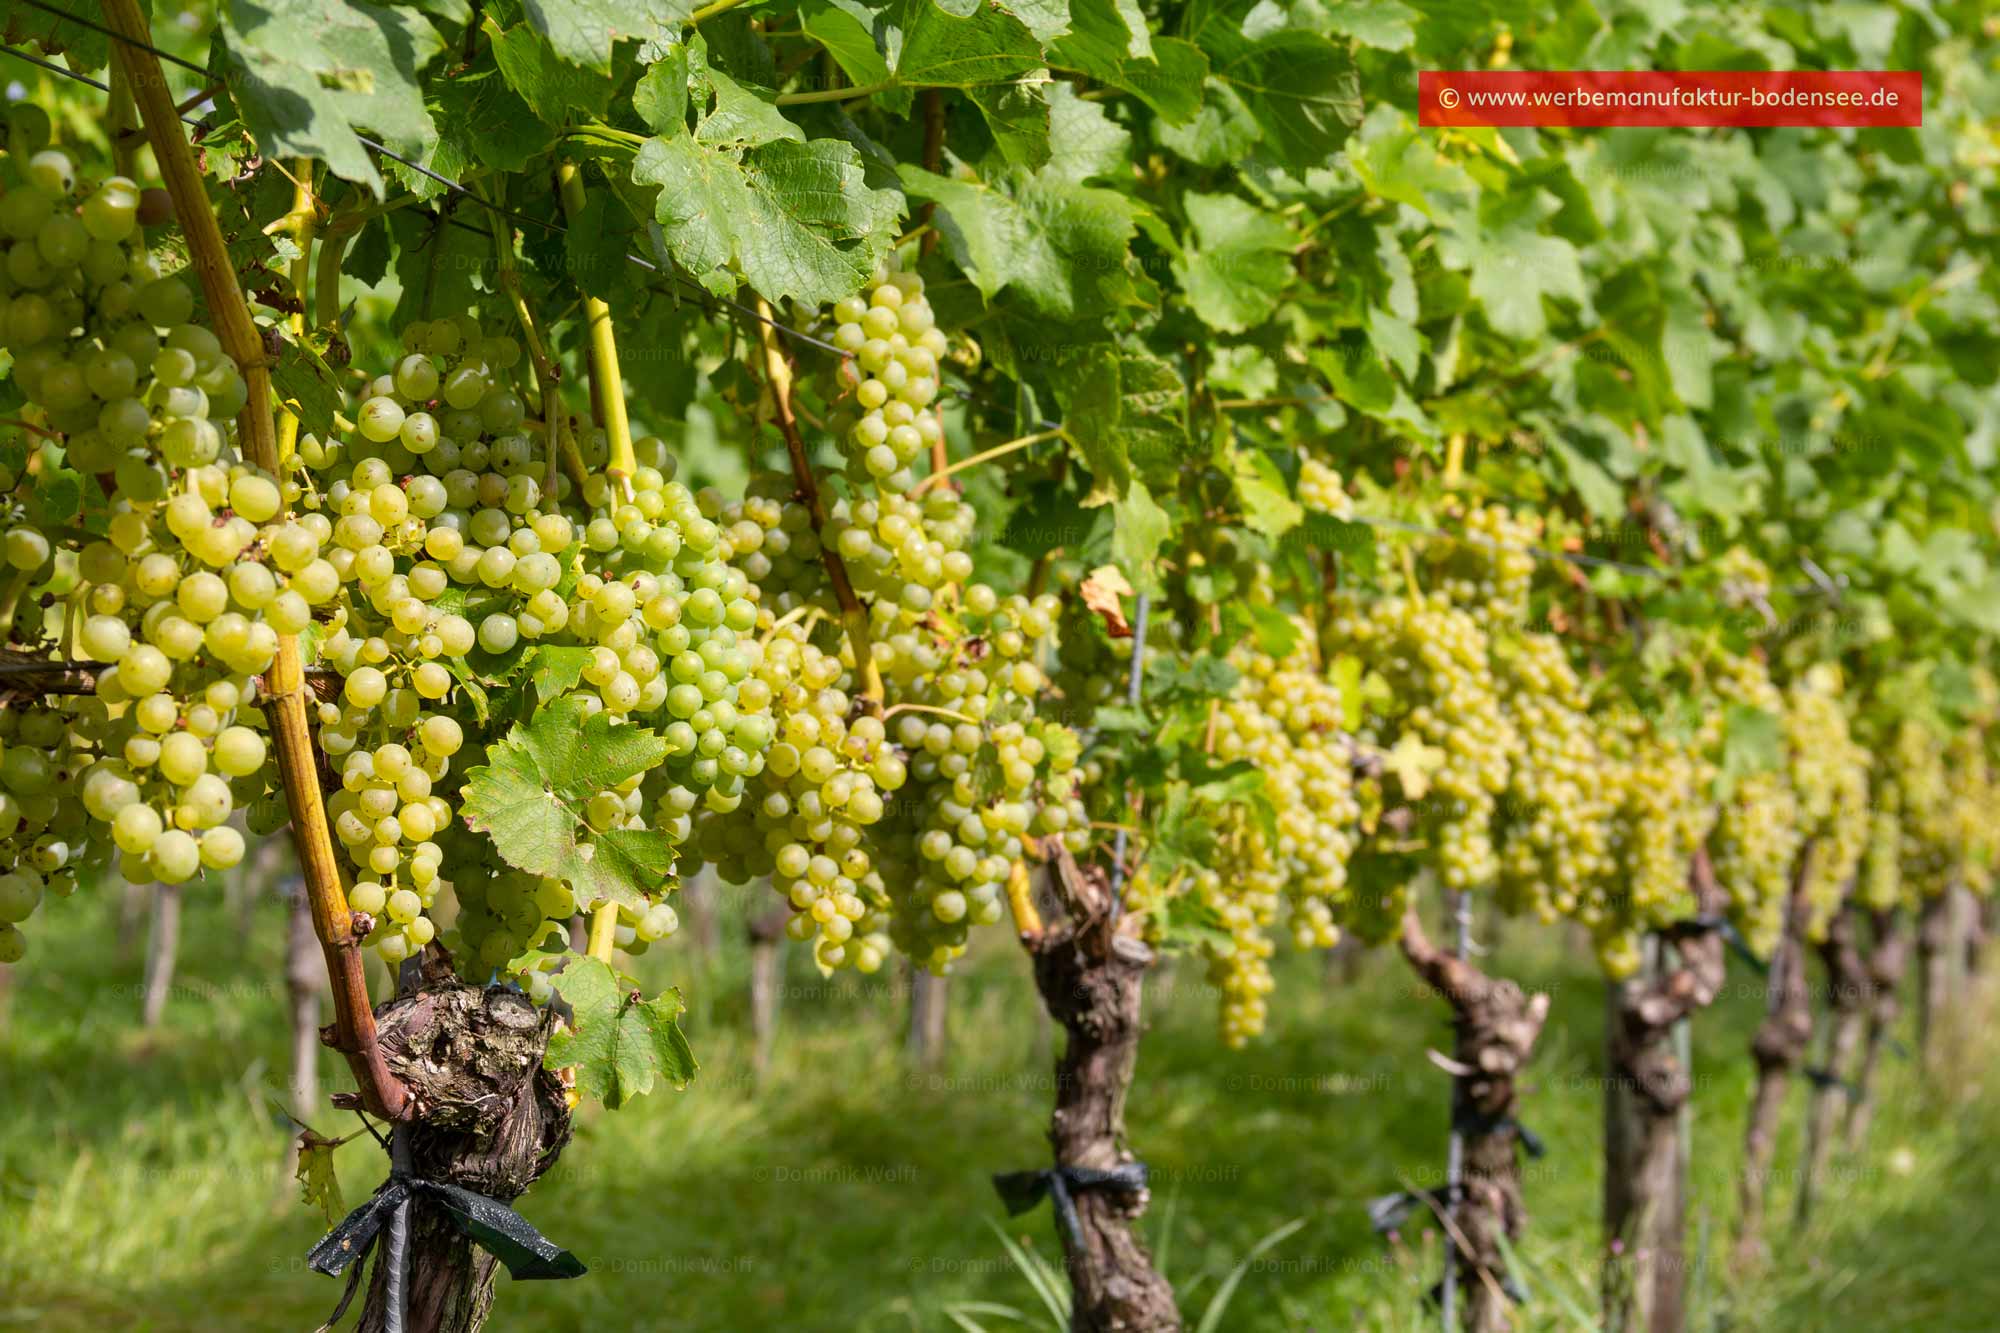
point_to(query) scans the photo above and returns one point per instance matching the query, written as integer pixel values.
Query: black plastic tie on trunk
(1022, 1190)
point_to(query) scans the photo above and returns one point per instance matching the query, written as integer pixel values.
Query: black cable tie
(1898, 1049)
(1474, 1125)
(1022, 1190)
(497, 1228)
(1731, 936)
(1388, 1212)
(1826, 1078)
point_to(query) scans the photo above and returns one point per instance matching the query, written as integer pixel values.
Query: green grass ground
(138, 1184)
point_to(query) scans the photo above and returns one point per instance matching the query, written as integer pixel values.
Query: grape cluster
(456, 539)
(1557, 842)
(1660, 783)
(1322, 490)
(1285, 718)
(42, 835)
(1829, 771)
(1758, 831)
(807, 824)
(183, 598)
(1438, 662)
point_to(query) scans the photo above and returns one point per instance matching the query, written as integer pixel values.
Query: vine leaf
(619, 1044)
(584, 31)
(530, 795)
(1298, 85)
(319, 1186)
(1239, 262)
(799, 218)
(304, 72)
(1108, 41)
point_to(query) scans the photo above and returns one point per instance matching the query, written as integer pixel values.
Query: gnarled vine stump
(485, 1116)
(1497, 1024)
(1090, 976)
(1888, 960)
(1645, 1187)
(1850, 995)
(1779, 1047)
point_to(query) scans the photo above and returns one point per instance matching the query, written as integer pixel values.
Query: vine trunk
(1496, 1025)
(1778, 1048)
(1645, 1177)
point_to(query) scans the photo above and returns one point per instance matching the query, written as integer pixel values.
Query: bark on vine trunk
(1850, 995)
(1934, 968)
(1091, 977)
(305, 976)
(1645, 1188)
(767, 936)
(1778, 1048)
(1497, 1024)
(487, 1117)
(163, 943)
(930, 1008)
(1888, 959)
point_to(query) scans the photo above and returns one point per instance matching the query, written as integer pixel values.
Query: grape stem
(833, 94)
(984, 456)
(284, 701)
(31, 428)
(605, 379)
(603, 931)
(300, 222)
(928, 708)
(1021, 900)
(854, 616)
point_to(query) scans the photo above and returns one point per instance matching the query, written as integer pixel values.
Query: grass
(139, 1189)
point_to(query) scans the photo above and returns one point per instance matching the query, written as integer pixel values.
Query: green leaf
(1753, 741)
(530, 796)
(1084, 141)
(1382, 24)
(1120, 410)
(1140, 528)
(1100, 45)
(1237, 265)
(621, 1046)
(799, 219)
(1514, 266)
(1268, 506)
(482, 122)
(308, 73)
(584, 31)
(1298, 85)
(937, 49)
(556, 90)
(554, 669)
(1062, 247)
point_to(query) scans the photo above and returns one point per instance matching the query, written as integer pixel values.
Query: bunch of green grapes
(1322, 490)
(184, 598)
(1881, 884)
(772, 535)
(958, 664)
(1829, 771)
(1973, 804)
(1759, 831)
(985, 771)
(42, 834)
(1557, 837)
(1488, 571)
(450, 539)
(1286, 718)
(1922, 787)
(808, 818)
(1659, 783)
(1438, 663)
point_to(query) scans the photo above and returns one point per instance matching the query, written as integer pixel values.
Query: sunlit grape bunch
(1557, 840)
(460, 539)
(1758, 832)
(1322, 490)
(1438, 663)
(183, 598)
(1661, 782)
(1285, 718)
(1829, 771)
